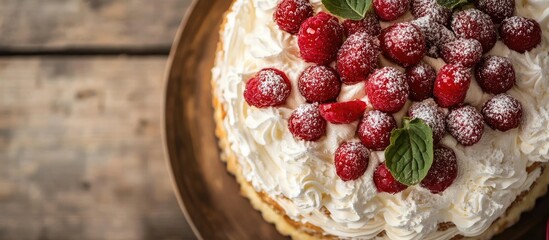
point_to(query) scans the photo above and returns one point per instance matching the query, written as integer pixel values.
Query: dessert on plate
(385, 119)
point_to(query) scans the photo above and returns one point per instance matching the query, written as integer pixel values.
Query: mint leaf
(410, 154)
(451, 4)
(350, 9)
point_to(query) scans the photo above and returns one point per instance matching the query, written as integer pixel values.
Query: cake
(408, 121)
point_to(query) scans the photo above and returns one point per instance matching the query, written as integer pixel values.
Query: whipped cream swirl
(301, 178)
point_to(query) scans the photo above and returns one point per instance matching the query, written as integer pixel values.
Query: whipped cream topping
(300, 176)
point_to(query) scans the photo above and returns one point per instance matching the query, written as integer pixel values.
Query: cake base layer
(274, 214)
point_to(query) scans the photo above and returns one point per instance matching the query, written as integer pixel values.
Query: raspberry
(351, 160)
(497, 9)
(495, 74)
(421, 79)
(502, 112)
(520, 34)
(357, 58)
(430, 8)
(462, 52)
(472, 23)
(387, 89)
(465, 124)
(319, 84)
(451, 85)
(319, 38)
(305, 123)
(429, 112)
(369, 24)
(385, 182)
(389, 10)
(436, 35)
(443, 172)
(343, 112)
(269, 88)
(375, 129)
(290, 14)
(403, 43)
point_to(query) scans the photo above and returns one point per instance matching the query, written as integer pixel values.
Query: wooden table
(81, 85)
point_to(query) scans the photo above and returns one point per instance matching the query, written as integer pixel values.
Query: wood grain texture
(59, 24)
(80, 150)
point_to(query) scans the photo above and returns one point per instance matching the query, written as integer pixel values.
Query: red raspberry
(502, 112)
(430, 8)
(472, 23)
(465, 124)
(389, 10)
(520, 34)
(421, 79)
(462, 52)
(319, 38)
(375, 129)
(319, 84)
(385, 182)
(451, 85)
(343, 112)
(403, 43)
(305, 123)
(497, 9)
(269, 88)
(429, 112)
(443, 172)
(495, 74)
(351, 160)
(290, 14)
(387, 89)
(436, 35)
(357, 58)
(369, 24)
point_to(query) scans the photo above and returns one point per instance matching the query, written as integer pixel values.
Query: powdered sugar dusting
(351, 160)
(520, 34)
(291, 13)
(520, 26)
(495, 74)
(406, 38)
(306, 123)
(358, 57)
(430, 8)
(459, 75)
(462, 52)
(319, 84)
(394, 80)
(377, 119)
(465, 124)
(472, 23)
(375, 129)
(502, 112)
(369, 24)
(429, 112)
(421, 79)
(354, 151)
(389, 10)
(436, 34)
(273, 84)
(497, 9)
(387, 89)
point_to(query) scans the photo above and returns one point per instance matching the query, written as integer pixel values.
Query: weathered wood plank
(32, 24)
(80, 150)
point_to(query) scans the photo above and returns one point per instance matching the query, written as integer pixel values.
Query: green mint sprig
(349, 9)
(451, 4)
(410, 154)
